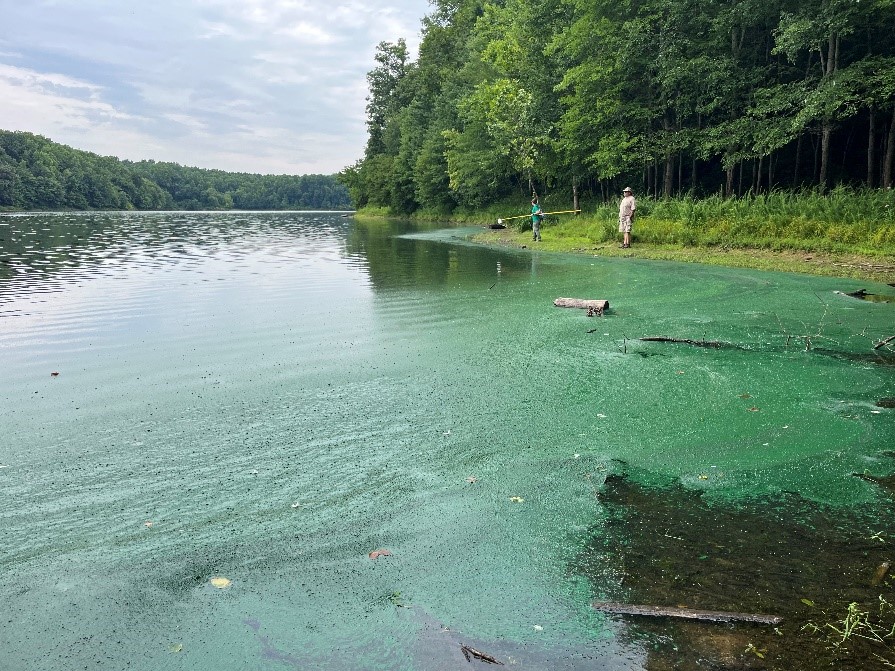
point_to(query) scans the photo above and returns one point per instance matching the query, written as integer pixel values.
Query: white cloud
(184, 81)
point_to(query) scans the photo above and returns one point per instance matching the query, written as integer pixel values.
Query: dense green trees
(673, 96)
(36, 173)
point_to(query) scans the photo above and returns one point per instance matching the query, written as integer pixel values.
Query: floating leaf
(177, 648)
(148, 524)
(220, 583)
(756, 651)
(807, 602)
(472, 479)
(379, 553)
(516, 499)
(703, 476)
(745, 395)
(753, 409)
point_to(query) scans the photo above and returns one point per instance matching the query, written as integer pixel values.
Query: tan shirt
(627, 207)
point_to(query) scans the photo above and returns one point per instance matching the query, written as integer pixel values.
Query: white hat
(627, 188)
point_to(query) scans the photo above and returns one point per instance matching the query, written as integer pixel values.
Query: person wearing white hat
(626, 216)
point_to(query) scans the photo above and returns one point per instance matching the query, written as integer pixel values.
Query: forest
(674, 97)
(36, 173)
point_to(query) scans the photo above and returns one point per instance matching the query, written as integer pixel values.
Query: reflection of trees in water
(49, 243)
(396, 261)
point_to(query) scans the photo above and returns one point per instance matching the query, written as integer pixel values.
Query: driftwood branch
(686, 341)
(484, 656)
(686, 613)
(884, 342)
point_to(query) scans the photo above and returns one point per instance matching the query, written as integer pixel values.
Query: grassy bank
(844, 233)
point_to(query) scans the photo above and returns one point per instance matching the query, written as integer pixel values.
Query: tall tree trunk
(575, 194)
(728, 186)
(680, 173)
(871, 149)
(758, 174)
(825, 132)
(669, 176)
(890, 155)
(795, 170)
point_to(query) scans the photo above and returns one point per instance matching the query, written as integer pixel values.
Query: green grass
(845, 232)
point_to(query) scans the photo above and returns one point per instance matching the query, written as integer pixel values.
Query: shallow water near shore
(271, 397)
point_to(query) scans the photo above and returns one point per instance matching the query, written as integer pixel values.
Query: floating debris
(148, 524)
(379, 553)
(220, 583)
(517, 499)
(471, 479)
(469, 653)
(55, 373)
(177, 648)
(880, 574)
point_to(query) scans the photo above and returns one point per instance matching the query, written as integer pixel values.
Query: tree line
(728, 97)
(36, 173)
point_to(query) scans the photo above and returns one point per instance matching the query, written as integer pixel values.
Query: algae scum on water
(286, 440)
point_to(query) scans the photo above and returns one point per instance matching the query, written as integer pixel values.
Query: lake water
(270, 397)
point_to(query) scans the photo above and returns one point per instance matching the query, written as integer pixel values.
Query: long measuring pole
(523, 216)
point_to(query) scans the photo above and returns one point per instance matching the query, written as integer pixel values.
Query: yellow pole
(523, 216)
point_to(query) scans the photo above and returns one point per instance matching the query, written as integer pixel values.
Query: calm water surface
(270, 397)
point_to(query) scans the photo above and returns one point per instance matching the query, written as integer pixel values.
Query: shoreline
(850, 266)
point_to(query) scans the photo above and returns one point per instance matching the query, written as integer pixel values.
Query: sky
(261, 86)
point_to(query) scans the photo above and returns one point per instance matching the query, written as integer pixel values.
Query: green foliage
(36, 173)
(673, 97)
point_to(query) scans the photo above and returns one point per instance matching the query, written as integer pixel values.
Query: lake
(211, 423)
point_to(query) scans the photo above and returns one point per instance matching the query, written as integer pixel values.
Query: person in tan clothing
(626, 216)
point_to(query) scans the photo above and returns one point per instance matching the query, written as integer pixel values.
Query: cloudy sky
(266, 86)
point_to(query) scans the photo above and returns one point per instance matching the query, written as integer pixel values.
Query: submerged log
(469, 653)
(581, 303)
(686, 613)
(885, 341)
(686, 341)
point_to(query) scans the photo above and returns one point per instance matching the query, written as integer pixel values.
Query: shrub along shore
(843, 233)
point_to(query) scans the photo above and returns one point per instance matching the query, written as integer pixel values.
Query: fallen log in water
(469, 653)
(686, 341)
(686, 613)
(581, 303)
(885, 341)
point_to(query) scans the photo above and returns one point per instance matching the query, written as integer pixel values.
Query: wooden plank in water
(581, 303)
(686, 613)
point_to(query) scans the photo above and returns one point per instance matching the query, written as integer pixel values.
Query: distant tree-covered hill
(36, 173)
